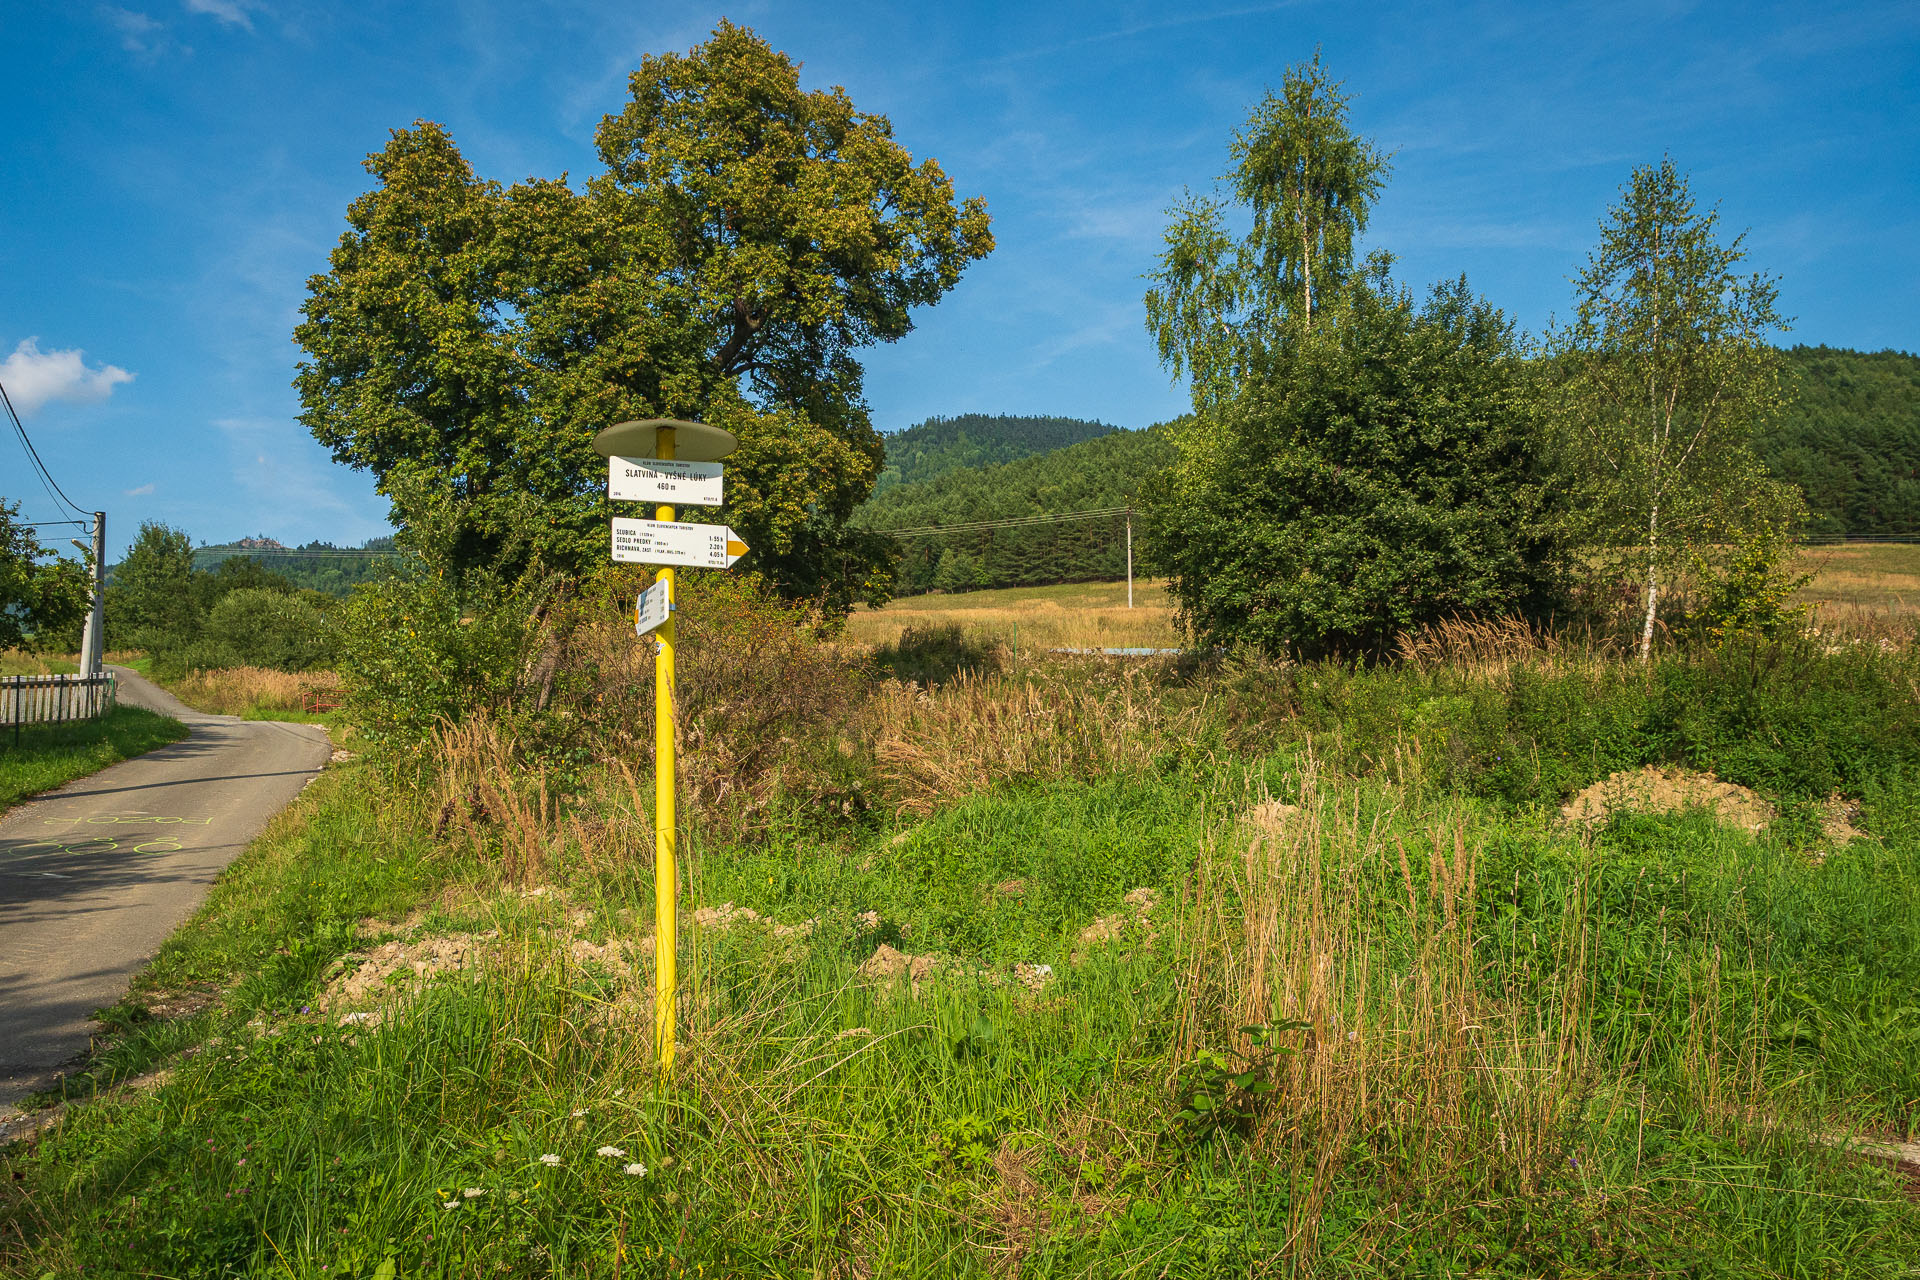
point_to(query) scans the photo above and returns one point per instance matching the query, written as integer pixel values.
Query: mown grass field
(1086, 969)
(1862, 579)
(1851, 582)
(1074, 615)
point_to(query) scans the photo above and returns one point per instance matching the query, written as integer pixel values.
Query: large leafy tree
(42, 598)
(1666, 371)
(746, 240)
(1307, 183)
(154, 601)
(1384, 474)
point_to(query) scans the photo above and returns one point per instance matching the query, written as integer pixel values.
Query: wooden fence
(28, 700)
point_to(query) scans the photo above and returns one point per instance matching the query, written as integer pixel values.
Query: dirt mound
(368, 978)
(1837, 820)
(727, 916)
(1270, 816)
(615, 957)
(887, 966)
(1658, 790)
(1137, 919)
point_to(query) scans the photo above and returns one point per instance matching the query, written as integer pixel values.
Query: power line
(46, 477)
(1009, 522)
(337, 553)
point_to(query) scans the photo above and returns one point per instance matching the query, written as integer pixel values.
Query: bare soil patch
(1668, 790)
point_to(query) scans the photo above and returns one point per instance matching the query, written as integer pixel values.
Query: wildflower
(634, 1170)
(550, 1159)
(471, 1192)
(576, 1113)
(613, 1152)
(451, 1204)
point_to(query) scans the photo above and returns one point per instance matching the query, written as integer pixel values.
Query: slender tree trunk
(1653, 583)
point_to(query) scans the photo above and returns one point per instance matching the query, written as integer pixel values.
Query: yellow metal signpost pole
(670, 463)
(666, 885)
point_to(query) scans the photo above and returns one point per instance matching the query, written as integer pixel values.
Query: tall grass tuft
(934, 746)
(1334, 981)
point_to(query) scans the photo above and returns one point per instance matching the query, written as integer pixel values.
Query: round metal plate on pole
(692, 441)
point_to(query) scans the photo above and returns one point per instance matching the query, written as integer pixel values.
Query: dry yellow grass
(235, 691)
(1863, 579)
(936, 746)
(1852, 583)
(1076, 615)
(18, 662)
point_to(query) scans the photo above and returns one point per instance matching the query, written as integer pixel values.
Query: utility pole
(1129, 557)
(92, 643)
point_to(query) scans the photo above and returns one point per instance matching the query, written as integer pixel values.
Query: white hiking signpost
(652, 608)
(665, 461)
(698, 546)
(690, 484)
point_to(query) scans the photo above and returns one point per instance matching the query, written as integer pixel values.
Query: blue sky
(174, 170)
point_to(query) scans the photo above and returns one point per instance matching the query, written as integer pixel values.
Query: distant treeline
(932, 448)
(316, 566)
(1851, 439)
(1102, 472)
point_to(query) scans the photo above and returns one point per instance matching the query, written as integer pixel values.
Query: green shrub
(414, 651)
(260, 627)
(1383, 472)
(1751, 592)
(936, 653)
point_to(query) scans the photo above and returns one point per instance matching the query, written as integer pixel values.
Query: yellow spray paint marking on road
(95, 843)
(124, 820)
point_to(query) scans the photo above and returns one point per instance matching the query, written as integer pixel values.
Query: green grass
(49, 755)
(1581, 1055)
(13, 662)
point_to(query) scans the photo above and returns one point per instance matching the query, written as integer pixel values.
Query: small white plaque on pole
(651, 608)
(691, 484)
(698, 546)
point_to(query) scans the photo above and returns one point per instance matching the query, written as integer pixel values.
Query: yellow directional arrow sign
(698, 546)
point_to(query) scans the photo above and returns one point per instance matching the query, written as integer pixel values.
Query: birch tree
(1308, 182)
(1664, 374)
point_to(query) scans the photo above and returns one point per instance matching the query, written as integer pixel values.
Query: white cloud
(34, 377)
(231, 12)
(142, 34)
(140, 492)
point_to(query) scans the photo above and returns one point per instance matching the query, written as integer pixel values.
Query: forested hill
(1104, 472)
(317, 566)
(1851, 439)
(940, 445)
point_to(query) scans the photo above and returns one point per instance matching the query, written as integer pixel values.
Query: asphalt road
(95, 875)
